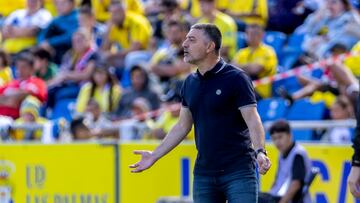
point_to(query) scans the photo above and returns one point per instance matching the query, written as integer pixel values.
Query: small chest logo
(218, 92)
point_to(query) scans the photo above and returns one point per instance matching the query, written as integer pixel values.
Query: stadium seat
(276, 40)
(291, 84)
(64, 109)
(272, 109)
(303, 109)
(292, 51)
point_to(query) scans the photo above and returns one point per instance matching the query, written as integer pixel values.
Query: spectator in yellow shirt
(7, 7)
(127, 32)
(5, 71)
(103, 88)
(21, 26)
(248, 12)
(258, 60)
(353, 62)
(224, 22)
(102, 8)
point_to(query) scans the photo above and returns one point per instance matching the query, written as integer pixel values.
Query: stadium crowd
(114, 68)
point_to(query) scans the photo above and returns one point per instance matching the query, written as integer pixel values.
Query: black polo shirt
(221, 134)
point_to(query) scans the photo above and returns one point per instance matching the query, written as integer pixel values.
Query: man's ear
(210, 47)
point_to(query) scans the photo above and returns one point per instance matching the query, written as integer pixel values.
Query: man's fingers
(134, 165)
(354, 190)
(138, 152)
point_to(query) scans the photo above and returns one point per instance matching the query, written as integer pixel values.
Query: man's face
(254, 35)
(207, 7)
(86, 20)
(64, 7)
(117, 14)
(174, 34)
(281, 140)
(23, 70)
(196, 46)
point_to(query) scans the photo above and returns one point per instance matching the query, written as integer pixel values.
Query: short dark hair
(172, 4)
(26, 57)
(86, 10)
(42, 54)
(5, 58)
(212, 32)
(183, 25)
(280, 126)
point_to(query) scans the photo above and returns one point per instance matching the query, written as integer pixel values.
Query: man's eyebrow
(191, 37)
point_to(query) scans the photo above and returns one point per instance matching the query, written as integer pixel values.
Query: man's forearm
(257, 134)
(172, 139)
(293, 189)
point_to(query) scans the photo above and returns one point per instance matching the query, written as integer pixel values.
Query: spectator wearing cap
(258, 59)
(12, 94)
(225, 23)
(29, 114)
(44, 67)
(56, 37)
(103, 88)
(140, 87)
(22, 26)
(6, 75)
(126, 32)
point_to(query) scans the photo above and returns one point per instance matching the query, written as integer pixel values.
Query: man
(21, 27)
(87, 20)
(258, 59)
(293, 170)
(127, 31)
(225, 23)
(56, 38)
(12, 94)
(219, 99)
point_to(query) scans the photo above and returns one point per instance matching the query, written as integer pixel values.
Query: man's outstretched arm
(172, 139)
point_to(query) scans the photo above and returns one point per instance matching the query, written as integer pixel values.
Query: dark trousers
(268, 198)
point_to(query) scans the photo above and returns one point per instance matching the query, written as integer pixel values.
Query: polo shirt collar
(212, 72)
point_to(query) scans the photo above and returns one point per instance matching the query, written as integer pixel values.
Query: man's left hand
(263, 163)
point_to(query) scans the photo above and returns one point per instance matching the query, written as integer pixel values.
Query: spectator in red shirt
(12, 94)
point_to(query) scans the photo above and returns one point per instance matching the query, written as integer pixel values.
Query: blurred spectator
(126, 32)
(21, 27)
(87, 20)
(258, 60)
(102, 9)
(29, 115)
(44, 67)
(5, 71)
(248, 12)
(140, 88)
(56, 38)
(286, 15)
(167, 62)
(226, 25)
(140, 124)
(353, 61)
(80, 131)
(293, 170)
(103, 88)
(98, 124)
(12, 94)
(340, 110)
(77, 67)
(169, 117)
(329, 26)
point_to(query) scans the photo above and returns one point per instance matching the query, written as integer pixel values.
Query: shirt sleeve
(182, 94)
(298, 169)
(356, 140)
(245, 93)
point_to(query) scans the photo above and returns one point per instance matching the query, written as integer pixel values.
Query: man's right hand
(147, 160)
(354, 181)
